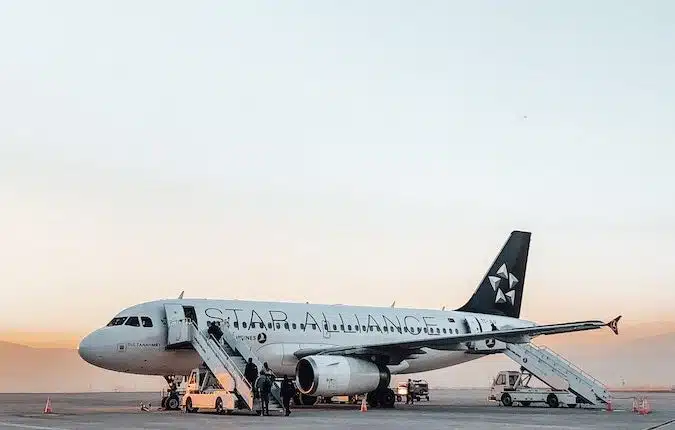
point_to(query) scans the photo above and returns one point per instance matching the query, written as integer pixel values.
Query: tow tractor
(203, 391)
(511, 386)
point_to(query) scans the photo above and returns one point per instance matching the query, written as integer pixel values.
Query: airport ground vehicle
(420, 390)
(511, 387)
(203, 391)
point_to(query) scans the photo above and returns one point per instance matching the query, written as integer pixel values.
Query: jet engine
(333, 375)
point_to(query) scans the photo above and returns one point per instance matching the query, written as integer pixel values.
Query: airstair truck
(203, 391)
(511, 387)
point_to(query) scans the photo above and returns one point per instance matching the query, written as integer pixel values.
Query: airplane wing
(508, 335)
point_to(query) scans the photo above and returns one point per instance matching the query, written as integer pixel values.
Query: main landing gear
(384, 398)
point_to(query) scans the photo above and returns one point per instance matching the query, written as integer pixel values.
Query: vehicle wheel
(219, 405)
(172, 403)
(371, 399)
(506, 399)
(386, 398)
(188, 406)
(526, 404)
(552, 400)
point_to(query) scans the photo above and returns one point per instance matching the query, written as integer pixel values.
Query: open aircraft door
(473, 326)
(178, 334)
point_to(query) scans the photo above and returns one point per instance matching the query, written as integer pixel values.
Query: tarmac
(447, 409)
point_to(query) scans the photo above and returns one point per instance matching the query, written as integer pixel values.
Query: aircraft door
(177, 329)
(325, 329)
(473, 326)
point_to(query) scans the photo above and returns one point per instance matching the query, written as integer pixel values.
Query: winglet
(181, 295)
(614, 324)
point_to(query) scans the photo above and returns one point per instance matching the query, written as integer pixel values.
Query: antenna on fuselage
(443, 308)
(180, 296)
(393, 303)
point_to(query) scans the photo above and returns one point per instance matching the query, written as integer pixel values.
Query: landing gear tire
(507, 400)
(399, 398)
(552, 401)
(172, 403)
(219, 405)
(386, 398)
(371, 399)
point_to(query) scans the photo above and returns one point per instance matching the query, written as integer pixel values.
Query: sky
(334, 152)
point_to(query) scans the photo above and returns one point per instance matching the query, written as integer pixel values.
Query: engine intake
(333, 375)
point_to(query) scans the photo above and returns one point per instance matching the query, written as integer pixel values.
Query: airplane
(361, 347)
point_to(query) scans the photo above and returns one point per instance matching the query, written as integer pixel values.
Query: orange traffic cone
(48, 406)
(364, 408)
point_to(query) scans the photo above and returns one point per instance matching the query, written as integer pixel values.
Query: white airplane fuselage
(288, 328)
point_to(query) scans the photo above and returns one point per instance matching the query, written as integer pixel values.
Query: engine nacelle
(333, 375)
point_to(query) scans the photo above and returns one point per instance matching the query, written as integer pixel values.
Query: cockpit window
(117, 321)
(146, 322)
(133, 321)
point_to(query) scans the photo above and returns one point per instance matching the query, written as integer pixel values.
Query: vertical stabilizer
(501, 290)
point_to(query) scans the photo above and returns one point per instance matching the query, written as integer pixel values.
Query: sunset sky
(334, 152)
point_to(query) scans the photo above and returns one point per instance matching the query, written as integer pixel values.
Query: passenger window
(342, 327)
(405, 329)
(334, 327)
(269, 325)
(378, 328)
(451, 320)
(364, 328)
(444, 331)
(349, 327)
(146, 322)
(133, 321)
(325, 327)
(117, 321)
(286, 326)
(386, 328)
(425, 329)
(243, 325)
(313, 326)
(278, 325)
(236, 324)
(294, 326)
(456, 331)
(302, 326)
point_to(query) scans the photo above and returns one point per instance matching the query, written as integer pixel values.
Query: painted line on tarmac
(662, 425)
(27, 426)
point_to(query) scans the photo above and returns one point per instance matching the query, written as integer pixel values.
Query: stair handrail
(222, 351)
(227, 363)
(572, 365)
(247, 353)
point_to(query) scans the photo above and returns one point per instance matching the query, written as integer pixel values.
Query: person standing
(251, 372)
(287, 393)
(264, 385)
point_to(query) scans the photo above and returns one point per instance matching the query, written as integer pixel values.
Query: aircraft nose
(90, 348)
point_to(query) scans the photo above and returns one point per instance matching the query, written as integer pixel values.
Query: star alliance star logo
(503, 275)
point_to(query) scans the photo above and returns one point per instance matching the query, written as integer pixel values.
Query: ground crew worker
(287, 393)
(251, 371)
(409, 397)
(264, 385)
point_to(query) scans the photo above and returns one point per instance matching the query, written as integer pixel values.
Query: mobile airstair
(558, 372)
(226, 361)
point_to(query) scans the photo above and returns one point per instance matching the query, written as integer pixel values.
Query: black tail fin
(501, 290)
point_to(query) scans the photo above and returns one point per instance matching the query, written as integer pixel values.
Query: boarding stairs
(226, 360)
(558, 372)
(223, 367)
(239, 352)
